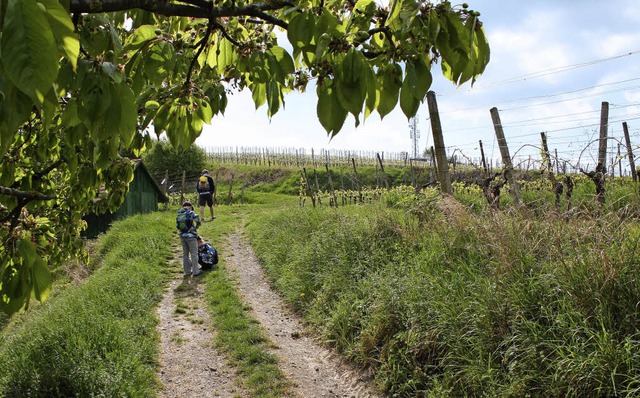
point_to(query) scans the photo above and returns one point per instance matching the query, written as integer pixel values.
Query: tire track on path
(190, 366)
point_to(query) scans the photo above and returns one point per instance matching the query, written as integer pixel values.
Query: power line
(554, 95)
(559, 69)
(571, 99)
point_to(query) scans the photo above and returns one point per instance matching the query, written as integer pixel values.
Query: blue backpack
(207, 256)
(184, 220)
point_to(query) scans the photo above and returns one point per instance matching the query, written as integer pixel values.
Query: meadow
(437, 296)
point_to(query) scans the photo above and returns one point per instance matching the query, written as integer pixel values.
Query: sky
(553, 64)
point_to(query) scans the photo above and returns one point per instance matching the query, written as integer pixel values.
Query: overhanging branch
(25, 195)
(195, 9)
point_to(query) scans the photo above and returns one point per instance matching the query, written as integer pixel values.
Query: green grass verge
(97, 339)
(443, 302)
(238, 334)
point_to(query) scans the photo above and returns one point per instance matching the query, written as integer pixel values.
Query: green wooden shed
(143, 197)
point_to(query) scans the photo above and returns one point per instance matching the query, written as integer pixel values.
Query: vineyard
(367, 180)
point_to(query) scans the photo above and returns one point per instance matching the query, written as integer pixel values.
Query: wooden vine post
(484, 161)
(546, 161)
(602, 145)
(632, 162)
(357, 182)
(230, 196)
(307, 186)
(315, 177)
(598, 175)
(506, 158)
(384, 175)
(332, 192)
(438, 142)
(601, 168)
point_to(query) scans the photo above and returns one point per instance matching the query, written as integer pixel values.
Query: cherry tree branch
(25, 195)
(188, 8)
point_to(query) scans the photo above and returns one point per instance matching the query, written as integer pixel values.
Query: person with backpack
(205, 188)
(187, 222)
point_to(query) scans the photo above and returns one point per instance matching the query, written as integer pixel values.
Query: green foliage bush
(164, 157)
(98, 339)
(465, 304)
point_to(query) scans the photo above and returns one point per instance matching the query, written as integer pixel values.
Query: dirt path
(191, 367)
(314, 370)
(189, 364)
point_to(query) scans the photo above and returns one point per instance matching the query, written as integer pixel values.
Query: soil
(191, 367)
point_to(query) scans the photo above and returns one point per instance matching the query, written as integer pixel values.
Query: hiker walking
(187, 222)
(205, 188)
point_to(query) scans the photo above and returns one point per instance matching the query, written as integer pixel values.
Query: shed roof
(161, 196)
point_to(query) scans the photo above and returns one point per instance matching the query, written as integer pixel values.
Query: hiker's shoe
(197, 273)
(213, 218)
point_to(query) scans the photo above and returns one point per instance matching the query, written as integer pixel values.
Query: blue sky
(552, 65)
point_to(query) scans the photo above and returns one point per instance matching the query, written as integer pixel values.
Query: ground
(192, 367)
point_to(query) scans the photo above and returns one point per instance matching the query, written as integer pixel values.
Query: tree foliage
(163, 157)
(82, 79)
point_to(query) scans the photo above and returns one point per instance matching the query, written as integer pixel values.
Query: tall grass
(98, 339)
(444, 302)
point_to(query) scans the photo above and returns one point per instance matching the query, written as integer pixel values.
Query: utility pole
(414, 133)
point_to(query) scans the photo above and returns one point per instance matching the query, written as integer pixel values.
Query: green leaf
(351, 82)
(365, 6)
(330, 113)
(281, 62)
(15, 108)
(258, 69)
(221, 54)
(27, 250)
(195, 126)
(94, 101)
(204, 111)
(128, 114)
(300, 31)
(419, 77)
(326, 23)
(70, 116)
(29, 53)
(274, 97)
(259, 94)
(351, 67)
(63, 30)
(408, 103)
(373, 94)
(160, 62)
(41, 279)
(13, 294)
(161, 118)
(453, 42)
(180, 123)
(395, 8)
(390, 78)
(140, 37)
